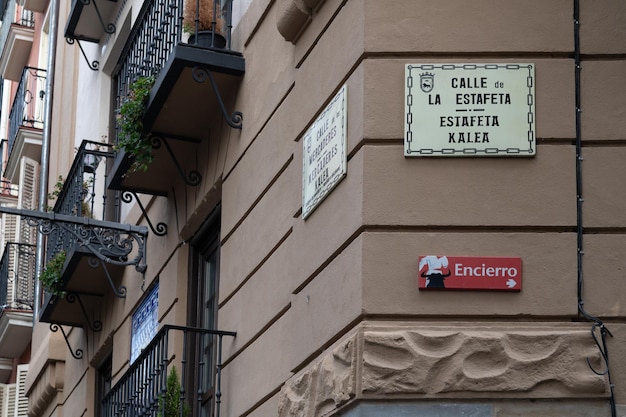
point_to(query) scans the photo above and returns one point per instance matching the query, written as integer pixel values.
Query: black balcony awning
(190, 88)
(187, 97)
(90, 20)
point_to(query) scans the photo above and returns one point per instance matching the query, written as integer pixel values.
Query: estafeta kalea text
(473, 99)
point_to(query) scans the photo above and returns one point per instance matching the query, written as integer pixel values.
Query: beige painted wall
(294, 290)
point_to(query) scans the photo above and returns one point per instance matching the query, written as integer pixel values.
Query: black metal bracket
(93, 65)
(96, 326)
(200, 75)
(118, 292)
(161, 228)
(194, 176)
(108, 27)
(78, 353)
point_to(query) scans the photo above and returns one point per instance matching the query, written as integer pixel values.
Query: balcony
(140, 392)
(192, 82)
(26, 121)
(8, 193)
(89, 251)
(17, 289)
(16, 40)
(90, 20)
(35, 5)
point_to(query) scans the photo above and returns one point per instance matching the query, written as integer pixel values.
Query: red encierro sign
(469, 273)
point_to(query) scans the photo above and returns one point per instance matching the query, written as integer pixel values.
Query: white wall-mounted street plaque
(469, 110)
(324, 153)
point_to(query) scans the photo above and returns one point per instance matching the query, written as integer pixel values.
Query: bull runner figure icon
(435, 271)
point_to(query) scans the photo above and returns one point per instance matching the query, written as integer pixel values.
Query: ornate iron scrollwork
(71, 298)
(193, 178)
(78, 353)
(107, 27)
(200, 75)
(119, 292)
(93, 65)
(160, 229)
(110, 242)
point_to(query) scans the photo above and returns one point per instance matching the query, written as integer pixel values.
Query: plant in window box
(133, 140)
(170, 403)
(204, 20)
(51, 275)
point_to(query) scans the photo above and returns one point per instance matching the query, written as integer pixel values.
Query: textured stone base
(404, 361)
(509, 409)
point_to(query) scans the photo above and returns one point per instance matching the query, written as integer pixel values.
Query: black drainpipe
(597, 323)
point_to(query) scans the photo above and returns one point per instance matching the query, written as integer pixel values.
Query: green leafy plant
(169, 405)
(133, 140)
(51, 275)
(58, 188)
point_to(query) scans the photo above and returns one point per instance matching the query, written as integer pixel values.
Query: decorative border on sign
(470, 151)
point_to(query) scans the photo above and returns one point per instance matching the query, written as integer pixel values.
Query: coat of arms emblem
(427, 82)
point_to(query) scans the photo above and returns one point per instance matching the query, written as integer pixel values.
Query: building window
(203, 298)
(103, 383)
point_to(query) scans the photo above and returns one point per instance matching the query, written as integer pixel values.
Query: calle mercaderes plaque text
(469, 110)
(324, 152)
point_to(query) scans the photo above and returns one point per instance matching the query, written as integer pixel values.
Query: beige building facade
(208, 262)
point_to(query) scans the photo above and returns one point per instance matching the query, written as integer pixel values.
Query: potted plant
(203, 19)
(51, 275)
(133, 140)
(170, 403)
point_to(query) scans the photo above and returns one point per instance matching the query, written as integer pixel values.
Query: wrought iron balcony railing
(141, 391)
(89, 252)
(83, 194)
(157, 30)
(17, 276)
(187, 79)
(27, 108)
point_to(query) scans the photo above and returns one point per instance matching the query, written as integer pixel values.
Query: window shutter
(21, 402)
(9, 224)
(9, 392)
(3, 400)
(9, 228)
(27, 199)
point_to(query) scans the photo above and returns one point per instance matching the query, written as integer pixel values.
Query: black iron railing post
(183, 374)
(218, 383)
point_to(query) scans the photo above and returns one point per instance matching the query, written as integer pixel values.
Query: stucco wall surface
(327, 310)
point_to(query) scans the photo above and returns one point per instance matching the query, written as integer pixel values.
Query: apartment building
(304, 208)
(22, 68)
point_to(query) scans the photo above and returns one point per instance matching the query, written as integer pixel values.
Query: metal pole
(45, 147)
